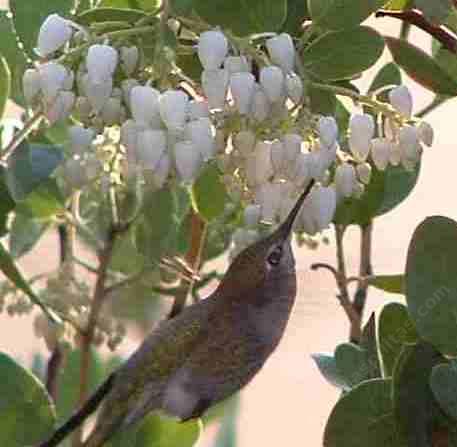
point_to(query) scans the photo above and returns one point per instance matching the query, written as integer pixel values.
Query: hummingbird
(209, 351)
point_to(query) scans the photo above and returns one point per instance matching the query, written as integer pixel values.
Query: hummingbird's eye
(275, 256)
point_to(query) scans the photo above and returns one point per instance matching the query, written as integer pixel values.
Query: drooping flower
(212, 49)
(54, 33)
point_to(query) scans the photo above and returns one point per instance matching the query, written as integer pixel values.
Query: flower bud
(111, 111)
(408, 140)
(345, 179)
(144, 105)
(188, 160)
(361, 129)
(215, 86)
(272, 81)
(401, 100)
(282, 51)
(80, 139)
(426, 133)
(31, 84)
(244, 141)
(198, 109)
(212, 49)
(98, 93)
(151, 144)
(381, 149)
(54, 33)
(173, 109)
(129, 59)
(101, 62)
(202, 134)
(261, 107)
(252, 215)
(318, 209)
(126, 87)
(328, 130)
(364, 172)
(237, 64)
(294, 87)
(321, 159)
(242, 86)
(300, 172)
(277, 157)
(61, 108)
(52, 79)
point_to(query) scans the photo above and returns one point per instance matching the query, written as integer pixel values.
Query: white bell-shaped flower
(242, 87)
(409, 143)
(401, 99)
(111, 111)
(328, 130)
(54, 33)
(345, 178)
(294, 87)
(215, 85)
(252, 214)
(151, 144)
(144, 105)
(364, 172)
(101, 62)
(61, 108)
(162, 170)
(272, 81)
(188, 160)
(268, 196)
(361, 128)
(98, 93)
(198, 109)
(52, 79)
(426, 133)
(318, 209)
(321, 159)
(381, 149)
(237, 64)
(292, 147)
(173, 109)
(80, 139)
(300, 170)
(31, 84)
(277, 157)
(202, 134)
(126, 87)
(261, 107)
(258, 165)
(282, 51)
(244, 141)
(212, 49)
(129, 59)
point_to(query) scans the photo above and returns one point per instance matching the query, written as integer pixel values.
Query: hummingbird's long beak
(286, 227)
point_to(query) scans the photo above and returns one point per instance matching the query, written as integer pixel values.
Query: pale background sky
(289, 400)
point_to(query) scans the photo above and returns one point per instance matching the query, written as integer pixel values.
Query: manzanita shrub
(159, 135)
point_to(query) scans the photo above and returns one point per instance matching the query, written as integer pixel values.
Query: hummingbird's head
(266, 259)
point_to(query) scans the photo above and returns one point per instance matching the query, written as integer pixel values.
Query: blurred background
(289, 399)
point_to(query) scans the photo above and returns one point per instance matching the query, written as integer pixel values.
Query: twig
(193, 259)
(415, 17)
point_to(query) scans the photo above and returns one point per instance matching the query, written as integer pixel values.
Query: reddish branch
(415, 17)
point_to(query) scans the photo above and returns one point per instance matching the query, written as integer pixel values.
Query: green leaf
(26, 412)
(181, 7)
(369, 344)
(243, 17)
(109, 15)
(9, 269)
(443, 382)
(7, 204)
(14, 56)
(421, 67)
(44, 202)
(342, 14)
(297, 13)
(322, 102)
(447, 61)
(352, 364)
(389, 74)
(414, 405)
(24, 234)
(395, 330)
(29, 166)
(29, 16)
(363, 417)
(431, 282)
(343, 54)
(209, 195)
(161, 431)
(436, 11)
(327, 367)
(5, 81)
(389, 283)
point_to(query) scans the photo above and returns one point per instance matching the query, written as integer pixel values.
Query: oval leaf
(389, 283)
(110, 15)
(443, 382)
(421, 67)
(431, 282)
(343, 54)
(26, 412)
